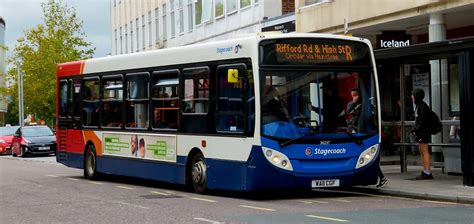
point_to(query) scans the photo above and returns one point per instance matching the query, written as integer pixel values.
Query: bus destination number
(314, 52)
(325, 183)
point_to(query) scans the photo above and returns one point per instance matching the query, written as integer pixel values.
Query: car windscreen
(37, 132)
(6, 131)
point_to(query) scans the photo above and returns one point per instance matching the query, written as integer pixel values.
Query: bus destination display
(314, 52)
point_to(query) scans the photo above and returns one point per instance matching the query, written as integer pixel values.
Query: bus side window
(90, 101)
(164, 93)
(137, 100)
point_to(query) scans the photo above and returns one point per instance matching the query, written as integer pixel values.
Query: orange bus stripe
(91, 136)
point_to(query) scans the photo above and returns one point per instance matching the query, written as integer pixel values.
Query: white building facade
(141, 25)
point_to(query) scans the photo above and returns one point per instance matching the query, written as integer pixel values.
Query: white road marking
(133, 205)
(208, 220)
(50, 175)
(123, 187)
(74, 179)
(327, 218)
(203, 199)
(258, 208)
(341, 200)
(95, 182)
(160, 193)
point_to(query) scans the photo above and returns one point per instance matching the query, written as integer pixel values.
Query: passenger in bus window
(134, 145)
(141, 148)
(158, 120)
(354, 108)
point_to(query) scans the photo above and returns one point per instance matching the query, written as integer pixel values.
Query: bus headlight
(278, 159)
(367, 156)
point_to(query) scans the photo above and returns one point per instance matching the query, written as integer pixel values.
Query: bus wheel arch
(90, 162)
(196, 171)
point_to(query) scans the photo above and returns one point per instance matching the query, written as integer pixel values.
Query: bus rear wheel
(90, 163)
(199, 174)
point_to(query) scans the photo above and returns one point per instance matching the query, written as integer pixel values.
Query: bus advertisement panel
(155, 147)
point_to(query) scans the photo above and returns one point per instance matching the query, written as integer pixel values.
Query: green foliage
(59, 39)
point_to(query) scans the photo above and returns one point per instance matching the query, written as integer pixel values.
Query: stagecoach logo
(235, 49)
(326, 152)
(308, 151)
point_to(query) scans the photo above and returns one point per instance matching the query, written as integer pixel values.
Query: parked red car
(33, 140)
(6, 138)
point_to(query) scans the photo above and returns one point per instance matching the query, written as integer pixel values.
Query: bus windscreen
(307, 52)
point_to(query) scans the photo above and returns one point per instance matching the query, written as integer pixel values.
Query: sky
(24, 15)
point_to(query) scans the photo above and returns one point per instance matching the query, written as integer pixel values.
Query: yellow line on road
(74, 179)
(95, 182)
(258, 208)
(160, 193)
(203, 199)
(123, 187)
(327, 218)
(50, 175)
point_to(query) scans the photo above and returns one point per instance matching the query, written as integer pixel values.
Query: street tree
(58, 39)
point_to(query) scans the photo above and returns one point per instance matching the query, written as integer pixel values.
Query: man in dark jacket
(421, 132)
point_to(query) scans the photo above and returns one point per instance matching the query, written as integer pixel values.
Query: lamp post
(20, 97)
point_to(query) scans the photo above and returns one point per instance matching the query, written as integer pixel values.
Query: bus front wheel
(198, 174)
(90, 163)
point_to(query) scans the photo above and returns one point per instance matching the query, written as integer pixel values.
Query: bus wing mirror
(232, 76)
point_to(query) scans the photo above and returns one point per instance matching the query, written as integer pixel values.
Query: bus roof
(218, 50)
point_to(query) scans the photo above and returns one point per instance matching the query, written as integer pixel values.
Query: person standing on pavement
(421, 132)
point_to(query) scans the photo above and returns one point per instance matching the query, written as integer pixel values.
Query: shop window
(165, 100)
(90, 102)
(112, 104)
(196, 91)
(137, 100)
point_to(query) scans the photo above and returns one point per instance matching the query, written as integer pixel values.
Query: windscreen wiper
(297, 138)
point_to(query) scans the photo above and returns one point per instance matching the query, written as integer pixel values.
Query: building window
(190, 16)
(157, 26)
(231, 6)
(131, 36)
(121, 52)
(165, 27)
(198, 14)
(172, 18)
(181, 16)
(244, 3)
(137, 100)
(164, 94)
(126, 39)
(143, 32)
(149, 29)
(219, 8)
(196, 91)
(138, 34)
(116, 41)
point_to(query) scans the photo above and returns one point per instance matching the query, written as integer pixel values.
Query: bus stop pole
(403, 156)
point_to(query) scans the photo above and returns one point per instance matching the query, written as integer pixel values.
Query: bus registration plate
(325, 183)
